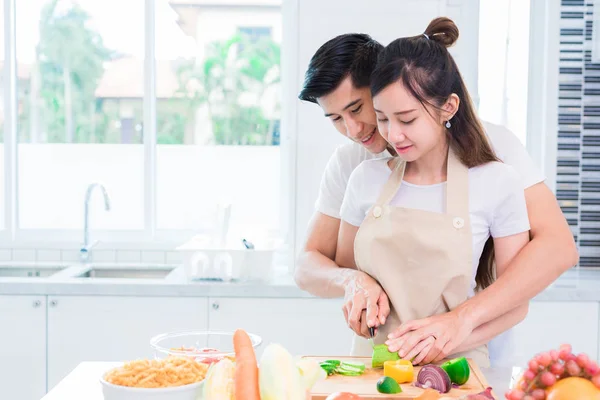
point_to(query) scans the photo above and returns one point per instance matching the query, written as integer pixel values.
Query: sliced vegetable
(330, 366)
(343, 368)
(219, 383)
(458, 370)
(402, 371)
(279, 377)
(432, 376)
(350, 369)
(381, 354)
(387, 385)
(310, 372)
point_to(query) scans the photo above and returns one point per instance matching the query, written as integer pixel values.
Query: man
(337, 80)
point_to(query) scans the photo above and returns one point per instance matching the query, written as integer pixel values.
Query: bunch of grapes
(546, 368)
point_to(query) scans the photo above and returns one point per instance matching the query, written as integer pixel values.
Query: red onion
(432, 376)
(485, 395)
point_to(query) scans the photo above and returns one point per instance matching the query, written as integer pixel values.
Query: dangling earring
(448, 124)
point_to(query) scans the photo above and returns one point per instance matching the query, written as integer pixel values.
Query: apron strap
(457, 187)
(393, 183)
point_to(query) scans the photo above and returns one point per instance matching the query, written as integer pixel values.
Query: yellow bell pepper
(402, 371)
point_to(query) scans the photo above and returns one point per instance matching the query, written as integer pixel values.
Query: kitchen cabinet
(302, 326)
(113, 328)
(22, 347)
(550, 324)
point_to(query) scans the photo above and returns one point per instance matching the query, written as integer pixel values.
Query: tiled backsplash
(100, 255)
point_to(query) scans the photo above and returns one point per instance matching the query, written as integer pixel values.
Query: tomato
(343, 396)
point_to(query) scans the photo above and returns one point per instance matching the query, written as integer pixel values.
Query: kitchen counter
(83, 383)
(572, 286)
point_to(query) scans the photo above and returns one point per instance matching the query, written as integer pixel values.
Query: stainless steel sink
(17, 271)
(127, 272)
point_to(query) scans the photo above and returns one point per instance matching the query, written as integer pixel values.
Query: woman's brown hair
(427, 69)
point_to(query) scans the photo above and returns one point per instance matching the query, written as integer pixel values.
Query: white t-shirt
(496, 200)
(348, 156)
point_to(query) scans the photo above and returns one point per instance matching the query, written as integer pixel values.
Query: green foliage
(58, 102)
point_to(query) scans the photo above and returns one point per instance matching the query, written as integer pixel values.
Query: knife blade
(372, 333)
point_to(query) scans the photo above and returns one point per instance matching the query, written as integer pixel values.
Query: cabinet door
(302, 326)
(99, 328)
(549, 324)
(22, 347)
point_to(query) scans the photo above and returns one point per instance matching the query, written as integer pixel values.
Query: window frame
(149, 237)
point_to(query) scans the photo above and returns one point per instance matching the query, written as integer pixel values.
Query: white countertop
(83, 382)
(574, 285)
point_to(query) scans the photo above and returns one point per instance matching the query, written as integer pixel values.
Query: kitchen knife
(372, 332)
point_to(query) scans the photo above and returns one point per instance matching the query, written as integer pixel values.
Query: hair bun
(442, 30)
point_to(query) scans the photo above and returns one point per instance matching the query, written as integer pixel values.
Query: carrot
(246, 368)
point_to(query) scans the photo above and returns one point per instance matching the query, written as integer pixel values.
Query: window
(218, 154)
(80, 80)
(188, 144)
(2, 198)
(503, 63)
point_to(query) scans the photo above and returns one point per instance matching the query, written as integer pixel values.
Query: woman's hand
(365, 304)
(449, 330)
(419, 352)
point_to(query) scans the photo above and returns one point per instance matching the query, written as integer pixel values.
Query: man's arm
(550, 252)
(506, 250)
(316, 272)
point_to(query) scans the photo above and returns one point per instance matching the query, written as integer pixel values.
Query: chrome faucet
(84, 252)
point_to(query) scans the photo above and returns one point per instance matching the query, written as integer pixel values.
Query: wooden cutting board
(366, 384)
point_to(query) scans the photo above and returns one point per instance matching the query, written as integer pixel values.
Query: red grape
(592, 368)
(583, 360)
(529, 375)
(554, 355)
(538, 394)
(572, 368)
(548, 379)
(565, 348)
(596, 380)
(534, 366)
(515, 394)
(557, 368)
(544, 359)
(528, 397)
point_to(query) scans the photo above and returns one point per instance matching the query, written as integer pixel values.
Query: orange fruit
(573, 388)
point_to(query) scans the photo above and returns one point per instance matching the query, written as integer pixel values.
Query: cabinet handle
(37, 303)
(215, 305)
(53, 303)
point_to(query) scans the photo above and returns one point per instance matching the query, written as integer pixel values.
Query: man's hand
(363, 293)
(450, 330)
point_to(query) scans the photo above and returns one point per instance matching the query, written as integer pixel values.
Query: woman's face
(407, 125)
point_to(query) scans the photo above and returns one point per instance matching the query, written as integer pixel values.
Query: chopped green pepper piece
(458, 370)
(381, 354)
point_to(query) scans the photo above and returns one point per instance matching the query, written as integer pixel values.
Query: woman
(425, 224)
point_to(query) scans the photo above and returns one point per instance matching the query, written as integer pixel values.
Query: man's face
(351, 112)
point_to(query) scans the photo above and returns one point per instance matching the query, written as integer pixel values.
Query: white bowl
(118, 392)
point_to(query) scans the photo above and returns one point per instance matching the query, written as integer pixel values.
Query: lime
(458, 370)
(388, 385)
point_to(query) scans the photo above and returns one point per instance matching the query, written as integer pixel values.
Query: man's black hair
(350, 54)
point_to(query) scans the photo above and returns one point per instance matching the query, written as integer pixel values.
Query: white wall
(383, 19)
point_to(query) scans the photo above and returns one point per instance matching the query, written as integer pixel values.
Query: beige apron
(423, 260)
